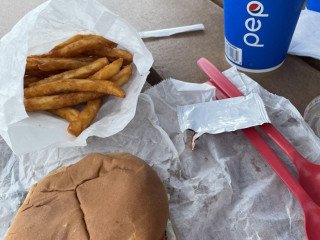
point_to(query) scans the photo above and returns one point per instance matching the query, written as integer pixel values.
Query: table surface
(298, 79)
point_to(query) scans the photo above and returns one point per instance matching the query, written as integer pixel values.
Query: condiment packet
(39, 31)
(222, 115)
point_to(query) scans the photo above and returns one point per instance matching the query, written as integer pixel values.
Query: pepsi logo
(255, 8)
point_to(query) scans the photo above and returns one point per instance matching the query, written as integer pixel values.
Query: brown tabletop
(298, 79)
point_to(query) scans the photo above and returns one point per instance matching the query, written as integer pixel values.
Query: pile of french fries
(80, 70)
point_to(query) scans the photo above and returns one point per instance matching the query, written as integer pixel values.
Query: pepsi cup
(258, 33)
(313, 5)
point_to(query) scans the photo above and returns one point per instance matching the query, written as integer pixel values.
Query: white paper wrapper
(225, 115)
(306, 38)
(171, 31)
(223, 190)
(228, 191)
(41, 29)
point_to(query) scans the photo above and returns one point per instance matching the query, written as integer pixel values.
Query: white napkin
(306, 38)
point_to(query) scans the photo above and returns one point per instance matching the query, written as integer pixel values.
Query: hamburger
(115, 196)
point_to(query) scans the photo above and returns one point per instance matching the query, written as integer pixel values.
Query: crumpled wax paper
(306, 37)
(223, 190)
(39, 31)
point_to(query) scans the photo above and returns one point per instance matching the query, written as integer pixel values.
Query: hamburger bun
(114, 196)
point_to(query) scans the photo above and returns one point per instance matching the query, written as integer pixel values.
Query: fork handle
(297, 159)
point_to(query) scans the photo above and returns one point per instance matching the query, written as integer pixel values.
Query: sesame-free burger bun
(102, 197)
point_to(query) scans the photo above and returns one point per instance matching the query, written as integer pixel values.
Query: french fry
(41, 60)
(105, 41)
(108, 71)
(43, 63)
(82, 72)
(61, 64)
(85, 117)
(82, 36)
(58, 101)
(31, 65)
(68, 41)
(123, 76)
(112, 54)
(67, 113)
(74, 85)
(78, 47)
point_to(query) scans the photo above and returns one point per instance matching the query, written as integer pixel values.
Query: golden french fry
(68, 41)
(61, 64)
(58, 101)
(74, 85)
(31, 65)
(78, 47)
(112, 54)
(85, 117)
(82, 72)
(82, 36)
(34, 61)
(123, 76)
(67, 113)
(105, 41)
(41, 60)
(108, 71)
(43, 63)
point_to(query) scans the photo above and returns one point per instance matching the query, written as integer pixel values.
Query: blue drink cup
(258, 33)
(313, 5)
